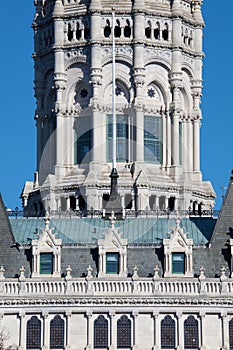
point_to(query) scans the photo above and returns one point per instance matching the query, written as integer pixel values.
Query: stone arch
(160, 82)
(160, 62)
(186, 68)
(125, 59)
(78, 74)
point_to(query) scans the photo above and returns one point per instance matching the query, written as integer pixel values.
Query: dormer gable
(112, 252)
(46, 253)
(178, 253)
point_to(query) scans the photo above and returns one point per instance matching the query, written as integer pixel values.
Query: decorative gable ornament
(113, 243)
(46, 243)
(178, 243)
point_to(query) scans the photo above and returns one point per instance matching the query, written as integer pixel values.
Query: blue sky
(17, 131)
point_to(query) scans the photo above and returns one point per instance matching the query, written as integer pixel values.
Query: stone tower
(158, 91)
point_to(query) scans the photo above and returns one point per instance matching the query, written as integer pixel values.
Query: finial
(223, 276)
(46, 221)
(2, 270)
(156, 273)
(112, 219)
(22, 274)
(68, 273)
(202, 274)
(135, 273)
(89, 272)
(177, 222)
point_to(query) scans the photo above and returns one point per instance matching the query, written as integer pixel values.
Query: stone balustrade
(163, 287)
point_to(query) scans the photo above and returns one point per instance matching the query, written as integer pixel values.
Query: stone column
(113, 330)
(202, 320)
(99, 140)
(225, 331)
(135, 331)
(60, 83)
(190, 145)
(89, 331)
(168, 138)
(139, 75)
(156, 332)
(196, 145)
(180, 331)
(164, 140)
(22, 334)
(46, 328)
(175, 139)
(68, 321)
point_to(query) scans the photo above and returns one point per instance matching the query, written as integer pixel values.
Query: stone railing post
(22, 280)
(202, 279)
(68, 279)
(135, 279)
(89, 280)
(223, 279)
(2, 278)
(156, 278)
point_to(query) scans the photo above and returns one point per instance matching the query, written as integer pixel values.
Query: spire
(58, 8)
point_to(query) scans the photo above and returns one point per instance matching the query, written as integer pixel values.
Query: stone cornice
(120, 301)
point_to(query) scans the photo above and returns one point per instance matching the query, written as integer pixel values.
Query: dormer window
(112, 253)
(178, 253)
(112, 263)
(46, 263)
(46, 253)
(178, 263)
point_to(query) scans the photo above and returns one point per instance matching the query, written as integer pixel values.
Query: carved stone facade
(158, 93)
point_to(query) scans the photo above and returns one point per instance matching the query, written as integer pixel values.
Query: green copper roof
(89, 230)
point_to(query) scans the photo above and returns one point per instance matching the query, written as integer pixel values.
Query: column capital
(45, 314)
(68, 314)
(89, 314)
(179, 314)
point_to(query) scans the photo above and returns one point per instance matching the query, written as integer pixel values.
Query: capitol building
(118, 245)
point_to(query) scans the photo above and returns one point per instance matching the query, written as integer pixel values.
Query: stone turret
(158, 91)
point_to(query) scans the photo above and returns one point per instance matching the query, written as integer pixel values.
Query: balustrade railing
(126, 213)
(126, 287)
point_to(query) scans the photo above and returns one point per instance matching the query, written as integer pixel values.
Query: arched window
(78, 32)
(231, 334)
(127, 29)
(70, 32)
(124, 332)
(57, 333)
(148, 30)
(107, 29)
(191, 337)
(117, 30)
(157, 31)
(33, 333)
(100, 333)
(165, 32)
(168, 335)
